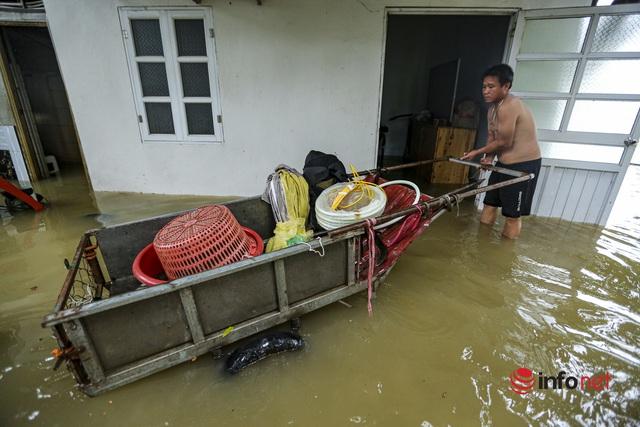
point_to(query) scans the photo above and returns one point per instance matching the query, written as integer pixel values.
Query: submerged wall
(295, 75)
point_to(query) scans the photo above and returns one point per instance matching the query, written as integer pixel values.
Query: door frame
(481, 11)
(32, 19)
(26, 144)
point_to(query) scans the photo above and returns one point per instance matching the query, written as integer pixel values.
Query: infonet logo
(522, 381)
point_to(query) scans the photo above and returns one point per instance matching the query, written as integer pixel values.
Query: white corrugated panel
(572, 194)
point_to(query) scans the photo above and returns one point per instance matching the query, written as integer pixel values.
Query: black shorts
(515, 200)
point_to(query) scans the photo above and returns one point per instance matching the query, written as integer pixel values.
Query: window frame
(563, 134)
(166, 18)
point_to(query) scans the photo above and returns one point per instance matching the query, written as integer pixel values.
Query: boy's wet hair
(502, 72)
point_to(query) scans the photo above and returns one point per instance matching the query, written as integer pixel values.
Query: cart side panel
(129, 337)
(255, 214)
(308, 273)
(135, 331)
(121, 243)
(235, 298)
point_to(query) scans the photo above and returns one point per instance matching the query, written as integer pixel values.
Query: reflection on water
(461, 311)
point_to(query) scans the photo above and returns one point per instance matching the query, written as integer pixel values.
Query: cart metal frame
(115, 341)
(135, 332)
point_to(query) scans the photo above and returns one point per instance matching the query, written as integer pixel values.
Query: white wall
(295, 75)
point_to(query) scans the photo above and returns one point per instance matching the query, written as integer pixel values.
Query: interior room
(432, 83)
(40, 95)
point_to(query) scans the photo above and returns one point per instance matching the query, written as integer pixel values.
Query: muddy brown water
(462, 309)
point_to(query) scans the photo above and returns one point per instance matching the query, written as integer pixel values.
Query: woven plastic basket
(204, 239)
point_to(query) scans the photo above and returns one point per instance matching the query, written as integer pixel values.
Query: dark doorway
(432, 64)
(41, 97)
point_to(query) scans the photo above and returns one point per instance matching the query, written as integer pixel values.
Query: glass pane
(159, 117)
(617, 33)
(581, 152)
(554, 35)
(153, 78)
(603, 116)
(195, 79)
(190, 37)
(199, 118)
(146, 37)
(621, 76)
(547, 112)
(636, 157)
(544, 76)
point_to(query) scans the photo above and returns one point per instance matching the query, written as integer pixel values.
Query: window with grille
(171, 55)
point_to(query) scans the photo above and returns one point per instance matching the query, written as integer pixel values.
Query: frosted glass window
(603, 116)
(544, 76)
(612, 76)
(547, 113)
(581, 152)
(636, 157)
(554, 35)
(146, 37)
(617, 33)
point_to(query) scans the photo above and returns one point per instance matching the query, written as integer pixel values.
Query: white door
(578, 70)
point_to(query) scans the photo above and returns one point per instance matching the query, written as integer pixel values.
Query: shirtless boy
(512, 137)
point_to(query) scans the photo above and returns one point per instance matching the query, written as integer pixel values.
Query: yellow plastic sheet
(289, 233)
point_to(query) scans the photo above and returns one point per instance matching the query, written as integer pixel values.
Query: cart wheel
(295, 324)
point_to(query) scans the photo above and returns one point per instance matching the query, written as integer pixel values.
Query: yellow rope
(296, 193)
(357, 183)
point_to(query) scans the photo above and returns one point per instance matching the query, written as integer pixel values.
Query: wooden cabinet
(429, 141)
(452, 142)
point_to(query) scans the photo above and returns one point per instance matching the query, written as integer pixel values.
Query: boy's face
(492, 91)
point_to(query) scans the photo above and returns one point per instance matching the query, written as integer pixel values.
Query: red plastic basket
(204, 239)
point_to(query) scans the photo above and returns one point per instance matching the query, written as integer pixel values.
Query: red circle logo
(522, 381)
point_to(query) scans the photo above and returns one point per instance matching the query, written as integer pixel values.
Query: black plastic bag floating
(262, 348)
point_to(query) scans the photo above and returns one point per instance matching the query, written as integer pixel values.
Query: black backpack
(321, 171)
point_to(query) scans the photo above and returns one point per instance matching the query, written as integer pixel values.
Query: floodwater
(462, 309)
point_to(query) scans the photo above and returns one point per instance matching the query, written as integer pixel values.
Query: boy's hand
(470, 155)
